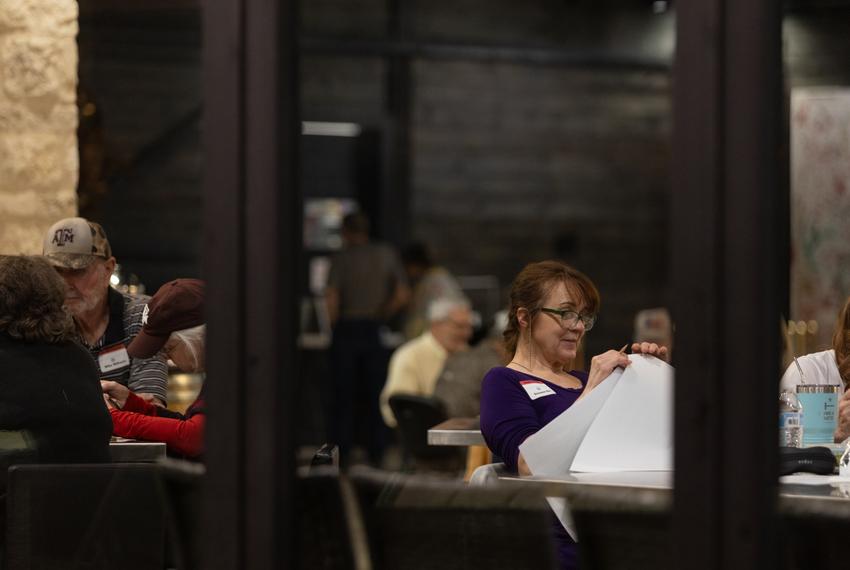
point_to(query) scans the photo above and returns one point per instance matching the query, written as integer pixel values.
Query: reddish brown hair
(841, 343)
(534, 282)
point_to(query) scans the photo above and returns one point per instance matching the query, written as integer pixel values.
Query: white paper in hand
(551, 450)
(633, 430)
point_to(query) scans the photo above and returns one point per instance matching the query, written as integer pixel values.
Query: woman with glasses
(552, 306)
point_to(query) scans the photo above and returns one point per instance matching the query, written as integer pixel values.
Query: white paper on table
(633, 431)
(813, 479)
(550, 451)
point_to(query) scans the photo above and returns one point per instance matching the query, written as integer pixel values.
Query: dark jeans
(358, 373)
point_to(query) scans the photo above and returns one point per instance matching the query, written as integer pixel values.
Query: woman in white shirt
(828, 367)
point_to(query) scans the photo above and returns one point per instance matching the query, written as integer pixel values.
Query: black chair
(622, 529)
(417, 522)
(810, 532)
(415, 415)
(84, 516)
(326, 456)
(181, 491)
(330, 532)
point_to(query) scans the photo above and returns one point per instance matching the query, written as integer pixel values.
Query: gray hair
(439, 309)
(193, 339)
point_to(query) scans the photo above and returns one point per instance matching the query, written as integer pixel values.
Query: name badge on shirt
(536, 389)
(112, 358)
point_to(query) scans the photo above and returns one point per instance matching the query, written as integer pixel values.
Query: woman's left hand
(651, 349)
(601, 367)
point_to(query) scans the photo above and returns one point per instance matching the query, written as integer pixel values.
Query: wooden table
(456, 431)
(134, 451)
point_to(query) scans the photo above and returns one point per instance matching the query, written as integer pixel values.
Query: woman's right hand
(601, 367)
(116, 392)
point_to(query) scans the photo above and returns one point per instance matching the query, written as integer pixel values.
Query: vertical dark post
(252, 229)
(729, 260)
(395, 200)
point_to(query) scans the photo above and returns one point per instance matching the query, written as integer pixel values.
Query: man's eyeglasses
(570, 318)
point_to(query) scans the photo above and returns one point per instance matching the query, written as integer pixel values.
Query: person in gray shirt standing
(366, 288)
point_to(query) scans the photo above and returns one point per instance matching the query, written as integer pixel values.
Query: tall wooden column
(729, 267)
(252, 233)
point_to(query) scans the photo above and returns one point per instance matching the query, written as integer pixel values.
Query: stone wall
(38, 119)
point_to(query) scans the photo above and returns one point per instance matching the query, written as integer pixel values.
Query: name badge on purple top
(536, 389)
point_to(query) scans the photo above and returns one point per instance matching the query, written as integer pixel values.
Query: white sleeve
(790, 379)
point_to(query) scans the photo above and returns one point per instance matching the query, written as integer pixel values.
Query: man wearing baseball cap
(174, 323)
(106, 319)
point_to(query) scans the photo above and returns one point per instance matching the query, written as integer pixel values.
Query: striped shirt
(143, 375)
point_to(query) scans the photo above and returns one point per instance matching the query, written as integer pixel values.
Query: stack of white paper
(624, 424)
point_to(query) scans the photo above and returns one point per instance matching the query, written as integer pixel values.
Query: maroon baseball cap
(178, 305)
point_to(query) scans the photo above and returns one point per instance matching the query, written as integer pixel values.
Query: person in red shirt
(173, 323)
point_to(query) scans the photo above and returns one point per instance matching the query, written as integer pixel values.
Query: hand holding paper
(625, 424)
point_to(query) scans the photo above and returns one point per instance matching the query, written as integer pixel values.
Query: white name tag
(536, 389)
(112, 358)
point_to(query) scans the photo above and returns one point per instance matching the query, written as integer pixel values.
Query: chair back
(183, 502)
(326, 456)
(330, 533)
(415, 416)
(809, 529)
(419, 523)
(622, 529)
(102, 516)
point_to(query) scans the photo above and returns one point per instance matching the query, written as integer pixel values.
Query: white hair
(439, 309)
(193, 339)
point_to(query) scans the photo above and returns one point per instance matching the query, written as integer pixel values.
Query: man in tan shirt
(416, 365)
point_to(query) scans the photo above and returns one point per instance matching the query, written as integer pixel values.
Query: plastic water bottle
(790, 420)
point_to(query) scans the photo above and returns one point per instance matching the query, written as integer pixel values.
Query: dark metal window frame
(729, 268)
(730, 272)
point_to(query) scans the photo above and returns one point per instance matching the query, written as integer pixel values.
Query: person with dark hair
(429, 282)
(552, 306)
(828, 367)
(366, 288)
(106, 319)
(50, 389)
(175, 326)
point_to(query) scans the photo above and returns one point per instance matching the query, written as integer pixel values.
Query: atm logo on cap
(63, 236)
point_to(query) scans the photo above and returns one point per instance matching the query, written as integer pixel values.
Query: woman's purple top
(514, 405)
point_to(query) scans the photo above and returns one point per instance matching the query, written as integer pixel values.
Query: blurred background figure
(459, 384)
(366, 288)
(416, 364)
(429, 282)
(655, 325)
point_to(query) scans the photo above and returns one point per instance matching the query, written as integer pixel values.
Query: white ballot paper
(624, 424)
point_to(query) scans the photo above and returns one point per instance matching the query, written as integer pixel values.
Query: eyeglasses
(570, 318)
